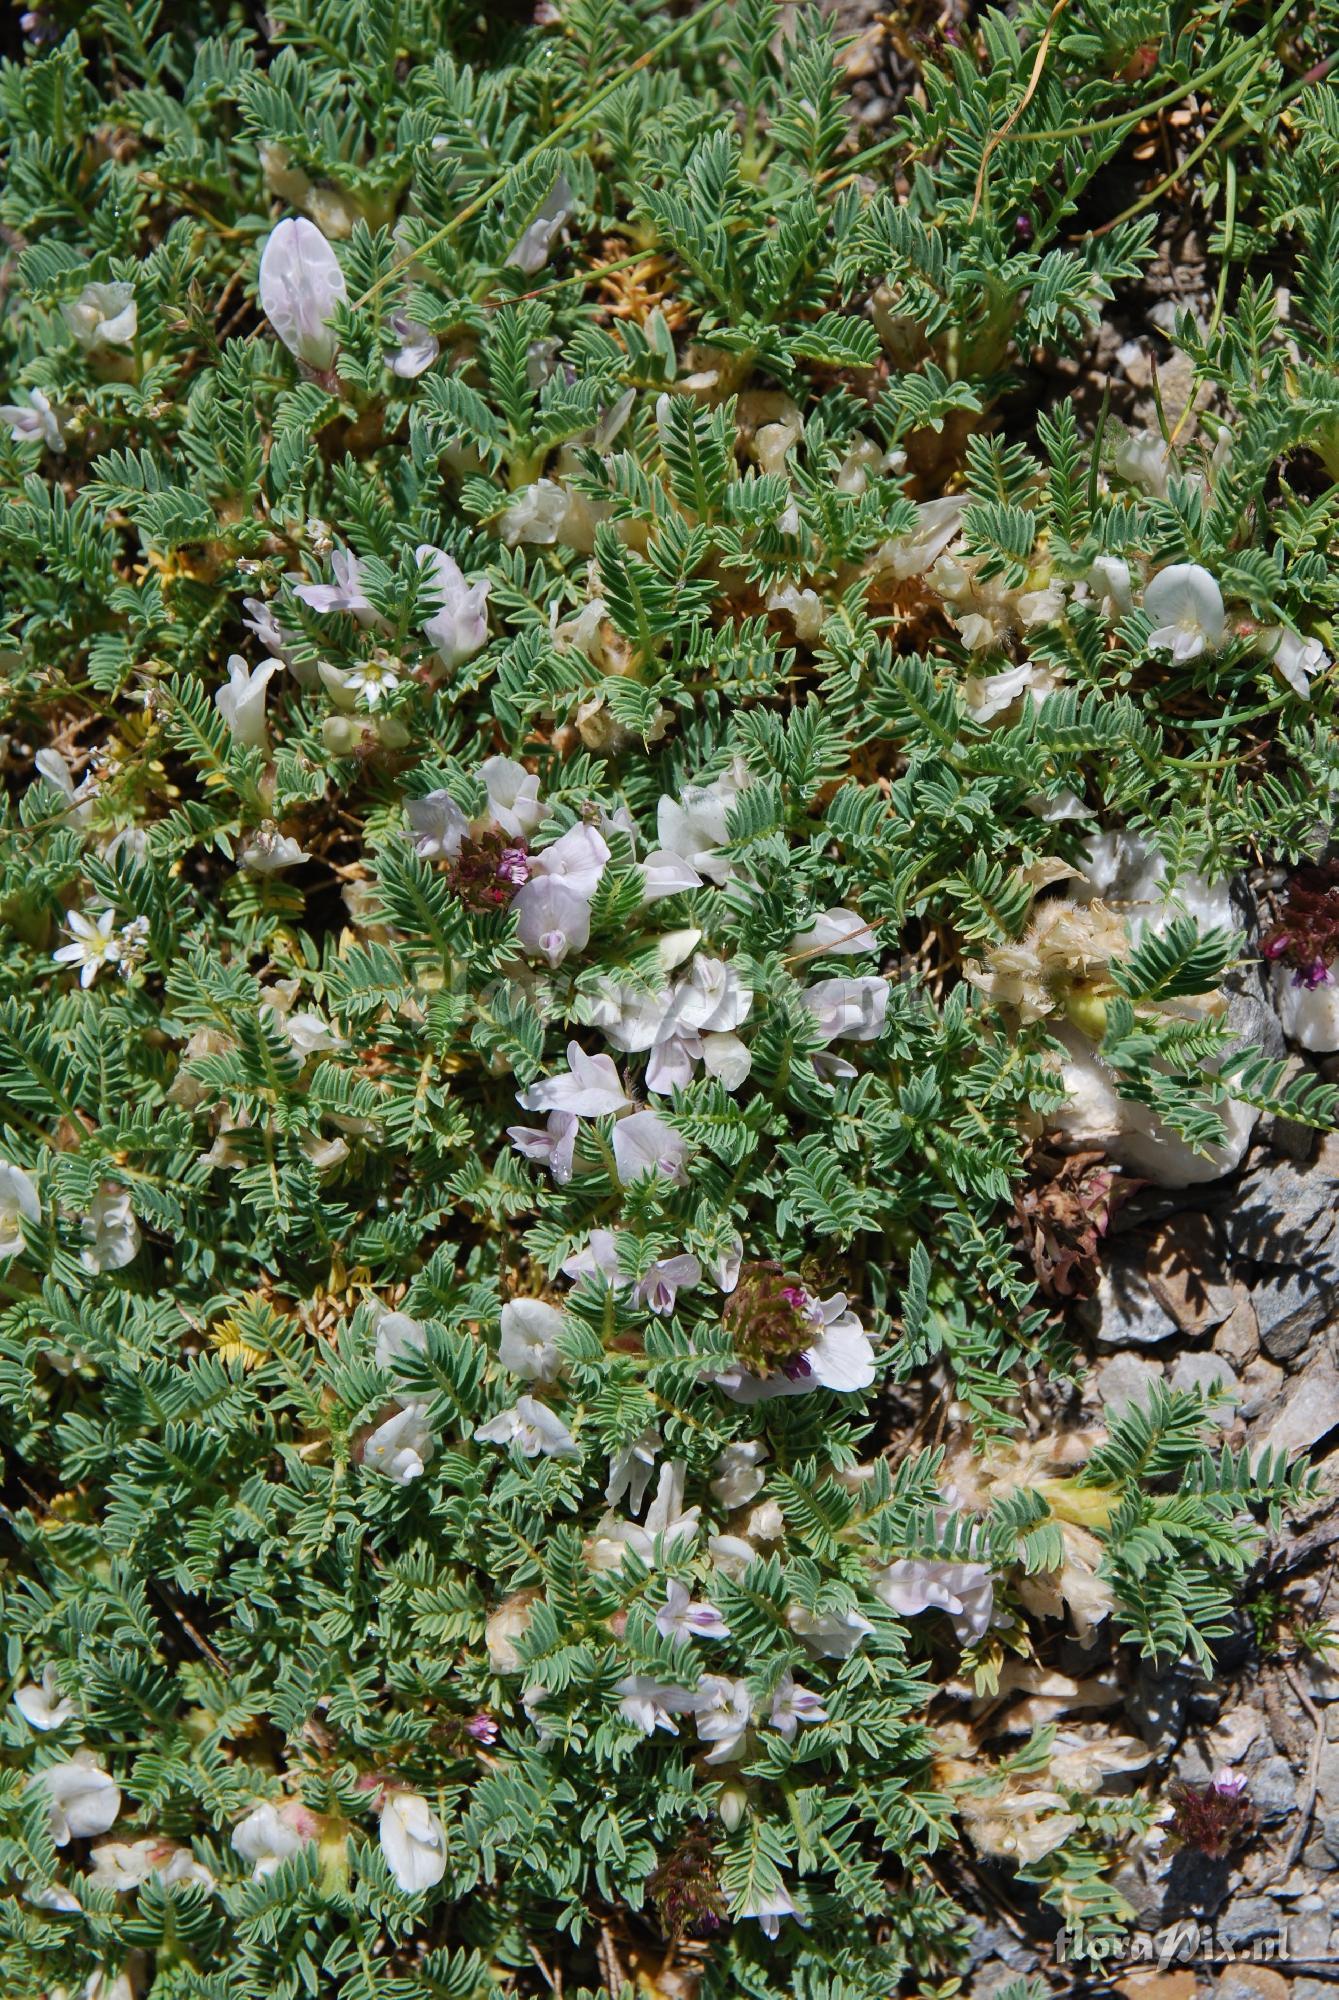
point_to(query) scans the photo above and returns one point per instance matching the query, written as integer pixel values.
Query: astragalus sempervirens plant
(583, 794)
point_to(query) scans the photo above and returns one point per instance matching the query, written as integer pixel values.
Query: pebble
(1125, 1312)
(1232, 1737)
(1249, 1917)
(1207, 1372)
(1186, 1275)
(1274, 1790)
(1260, 1382)
(1238, 1338)
(1310, 1410)
(1124, 1380)
(1251, 1982)
(1291, 1306)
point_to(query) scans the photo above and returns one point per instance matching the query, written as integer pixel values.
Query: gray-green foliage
(725, 403)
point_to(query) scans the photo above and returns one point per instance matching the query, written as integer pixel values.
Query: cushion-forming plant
(619, 820)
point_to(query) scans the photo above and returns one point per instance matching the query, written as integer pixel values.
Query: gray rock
(1310, 1410)
(1252, 1020)
(1191, 1766)
(1238, 1338)
(1186, 1274)
(1308, 1936)
(1291, 1306)
(1156, 1702)
(1274, 1790)
(1125, 1313)
(1207, 1372)
(1261, 1382)
(1249, 1917)
(1284, 1216)
(994, 1941)
(1327, 1779)
(1329, 1835)
(1124, 1380)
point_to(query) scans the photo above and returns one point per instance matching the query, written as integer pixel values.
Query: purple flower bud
(482, 1727)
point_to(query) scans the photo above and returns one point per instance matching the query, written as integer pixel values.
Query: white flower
(727, 1059)
(267, 851)
(668, 1521)
(590, 1087)
(665, 874)
(723, 1717)
(530, 253)
(598, 1258)
(937, 522)
(990, 695)
(127, 1864)
(693, 827)
(413, 1841)
(514, 804)
(79, 800)
(270, 1834)
(840, 1357)
(402, 1446)
(838, 933)
(630, 1469)
(806, 608)
(652, 1704)
(736, 1478)
(18, 1202)
(529, 1339)
(1142, 457)
(966, 1591)
(1184, 606)
(242, 702)
(537, 513)
(851, 1010)
(82, 1798)
(103, 315)
(644, 1144)
(553, 1147)
(792, 1705)
(660, 1286)
(682, 1618)
(437, 824)
(345, 594)
(725, 1266)
(710, 1000)
(34, 419)
(459, 626)
(832, 1635)
(300, 286)
(41, 1704)
(1110, 577)
(110, 1231)
(552, 908)
(767, 1907)
(418, 348)
(261, 621)
(373, 680)
(94, 945)
(1298, 660)
(397, 1336)
(533, 1428)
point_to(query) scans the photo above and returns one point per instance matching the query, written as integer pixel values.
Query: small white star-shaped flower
(94, 945)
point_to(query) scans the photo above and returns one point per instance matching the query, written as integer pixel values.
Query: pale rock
(1124, 1380)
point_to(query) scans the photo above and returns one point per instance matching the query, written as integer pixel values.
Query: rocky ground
(1232, 1285)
